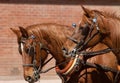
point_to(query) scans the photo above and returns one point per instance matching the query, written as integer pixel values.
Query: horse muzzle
(32, 79)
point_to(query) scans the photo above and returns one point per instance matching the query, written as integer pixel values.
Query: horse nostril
(29, 79)
(39, 77)
(64, 49)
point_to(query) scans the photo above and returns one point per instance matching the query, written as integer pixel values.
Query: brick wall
(25, 13)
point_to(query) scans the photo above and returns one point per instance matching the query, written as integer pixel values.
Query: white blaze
(22, 47)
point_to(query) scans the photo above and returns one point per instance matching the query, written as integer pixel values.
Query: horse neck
(56, 52)
(55, 49)
(105, 29)
(110, 27)
(46, 49)
(112, 39)
(60, 60)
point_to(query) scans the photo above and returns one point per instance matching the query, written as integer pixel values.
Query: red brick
(14, 15)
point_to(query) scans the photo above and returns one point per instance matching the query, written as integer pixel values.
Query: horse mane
(108, 14)
(113, 25)
(54, 34)
(112, 15)
(115, 32)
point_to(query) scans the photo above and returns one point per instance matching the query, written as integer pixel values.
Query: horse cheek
(94, 41)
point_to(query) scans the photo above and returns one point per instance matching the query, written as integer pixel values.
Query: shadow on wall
(64, 2)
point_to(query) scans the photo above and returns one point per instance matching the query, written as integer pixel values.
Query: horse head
(32, 53)
(90, 31)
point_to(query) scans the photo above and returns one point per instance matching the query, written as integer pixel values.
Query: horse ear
(86, 11)
(17, 32)
(23, 32)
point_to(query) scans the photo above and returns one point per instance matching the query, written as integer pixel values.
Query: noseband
(81, 45)
(31, 51)
(83, 42)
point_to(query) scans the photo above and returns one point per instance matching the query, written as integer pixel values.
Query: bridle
(79, 48)
(83, 42)
(31, 51)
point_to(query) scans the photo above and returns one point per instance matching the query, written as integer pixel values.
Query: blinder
(85, 30)
(88, 29)
(29, 44)
(30, 51)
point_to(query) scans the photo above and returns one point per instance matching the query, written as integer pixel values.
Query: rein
(91, 37)
(86, 55)
(47, 61)
(32, 52)
(37, 70)
(54, 66)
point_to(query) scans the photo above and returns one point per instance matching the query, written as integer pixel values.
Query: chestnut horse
(37, 41)
(95, 27)
(49, 36)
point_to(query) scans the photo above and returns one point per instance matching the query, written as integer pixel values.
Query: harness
(86, 55)
(77, 62)
(31, 51)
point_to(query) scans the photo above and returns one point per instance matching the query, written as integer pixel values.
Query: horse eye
(27, 50)
(85, 31)
(31, 51)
